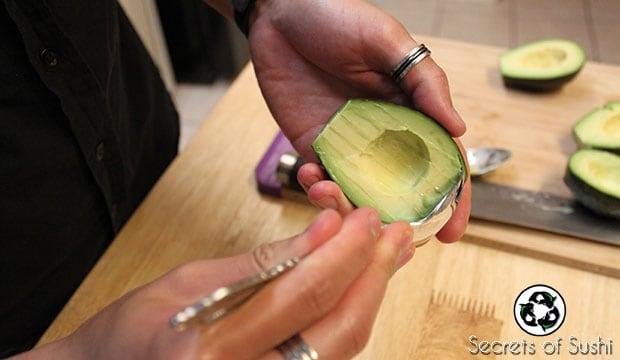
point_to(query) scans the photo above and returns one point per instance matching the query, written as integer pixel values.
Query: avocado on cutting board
(594, 178)
(544, 65)
(600, 129)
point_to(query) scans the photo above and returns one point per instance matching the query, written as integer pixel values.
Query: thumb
(426, 84)
(267, 255)
(198, 278)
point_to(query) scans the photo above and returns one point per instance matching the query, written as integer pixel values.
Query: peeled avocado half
(600, 129)
(391, 158)
(542, 65)
(594, 178)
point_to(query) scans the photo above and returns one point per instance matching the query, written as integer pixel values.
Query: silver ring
(411, 59)
(295, 348)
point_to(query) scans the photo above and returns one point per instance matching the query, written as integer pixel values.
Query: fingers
(328, 195)
(322, 193)
(426, 83)
(190, 281)
(455, 228)
(300, 297)
(309, 174)
(267, 255)
(428, 87)
(344, 332)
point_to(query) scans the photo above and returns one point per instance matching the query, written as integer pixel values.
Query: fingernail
(375, 223)
(404, 259)
(406, 238)
(328, 202)
(311, 180)
(460, 120)
(406, 241)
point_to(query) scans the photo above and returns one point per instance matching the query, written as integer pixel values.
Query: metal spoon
(485, 160)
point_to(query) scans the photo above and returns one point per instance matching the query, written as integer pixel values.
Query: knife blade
(540, 211)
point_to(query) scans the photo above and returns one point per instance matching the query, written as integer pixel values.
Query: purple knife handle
(266, 177)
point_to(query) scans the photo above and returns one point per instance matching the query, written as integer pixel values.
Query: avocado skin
(538, 85)
(598, 202)
(586, 145)
(583, 145)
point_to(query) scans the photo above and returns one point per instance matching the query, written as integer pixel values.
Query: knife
(540, 211)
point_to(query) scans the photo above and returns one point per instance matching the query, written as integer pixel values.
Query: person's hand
(331, 298)
(311, 56)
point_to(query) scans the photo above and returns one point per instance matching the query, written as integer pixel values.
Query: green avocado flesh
(542, 65)
(600, 129)
(594, 178)
(389, 157)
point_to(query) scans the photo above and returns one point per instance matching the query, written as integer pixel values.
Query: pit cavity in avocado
(594, 178)
(391, 158)
(600, 129)
(544, 65)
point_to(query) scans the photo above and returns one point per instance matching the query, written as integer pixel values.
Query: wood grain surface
(537, 129)
(206, 205)
(450, 321)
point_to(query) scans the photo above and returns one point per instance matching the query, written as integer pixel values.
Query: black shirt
(86, 128)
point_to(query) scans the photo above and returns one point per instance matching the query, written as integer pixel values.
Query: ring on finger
(411, 59)
(295, 348)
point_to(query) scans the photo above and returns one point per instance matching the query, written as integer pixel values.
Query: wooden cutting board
(537, 129)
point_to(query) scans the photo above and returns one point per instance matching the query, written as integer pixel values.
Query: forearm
(224, 7)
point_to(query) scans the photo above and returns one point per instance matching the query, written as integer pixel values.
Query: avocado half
(391, 158)
(544, 65)
(600, 129)
(594, 178)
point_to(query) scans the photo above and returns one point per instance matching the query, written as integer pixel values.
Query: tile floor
(194, 102)
(592, 23)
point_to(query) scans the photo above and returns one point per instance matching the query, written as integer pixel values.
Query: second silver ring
(295, 348)
(412, 58)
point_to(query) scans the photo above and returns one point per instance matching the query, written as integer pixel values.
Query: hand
(311, 56)
(331, 298)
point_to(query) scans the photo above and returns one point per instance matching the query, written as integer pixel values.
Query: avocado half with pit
(544, 65)
(393, 159)
(594, 178)
(600, 129)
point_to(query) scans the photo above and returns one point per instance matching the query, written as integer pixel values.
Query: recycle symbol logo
(545, 299)
(539, 310)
